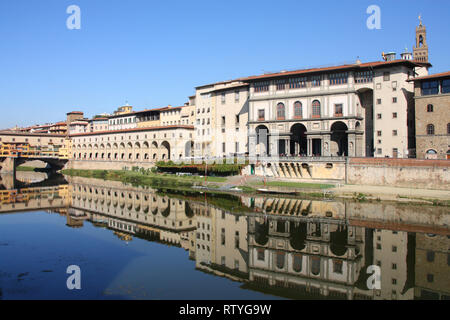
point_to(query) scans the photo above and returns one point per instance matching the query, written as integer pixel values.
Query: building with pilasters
(356, 110)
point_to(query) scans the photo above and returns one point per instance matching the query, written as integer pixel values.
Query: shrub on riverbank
(222, 169)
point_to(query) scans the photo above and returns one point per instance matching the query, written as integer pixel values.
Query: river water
(130, 242)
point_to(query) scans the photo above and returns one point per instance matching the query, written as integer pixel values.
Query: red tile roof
(336, 68)
(133, 130)
(432, 76)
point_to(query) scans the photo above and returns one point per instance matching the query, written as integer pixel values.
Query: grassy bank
(142, 179)
(216, 169)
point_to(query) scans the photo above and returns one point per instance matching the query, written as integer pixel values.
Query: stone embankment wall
(410, 173)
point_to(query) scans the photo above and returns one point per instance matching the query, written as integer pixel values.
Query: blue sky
(153, 53)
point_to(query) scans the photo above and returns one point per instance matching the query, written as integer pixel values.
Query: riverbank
(251, 184)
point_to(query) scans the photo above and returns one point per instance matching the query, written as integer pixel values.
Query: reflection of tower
(420, 51)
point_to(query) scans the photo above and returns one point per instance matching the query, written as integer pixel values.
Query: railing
(27, 151)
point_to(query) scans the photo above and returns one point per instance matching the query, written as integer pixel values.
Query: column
(351, 144)
(288, 147)
(326, 145)
(309, 146)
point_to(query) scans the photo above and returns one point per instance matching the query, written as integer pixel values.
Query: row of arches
(133, 202)
(300, 145)
(124, 151)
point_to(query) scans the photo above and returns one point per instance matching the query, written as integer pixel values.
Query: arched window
(297, 263)
(430, 108)
(298, 110)
(430, 129)
(280, 260)
(316, 109)
(280, 111)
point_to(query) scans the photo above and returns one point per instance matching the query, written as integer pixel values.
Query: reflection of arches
(315, 265)
(262, 140)
(281, 257)
(299, 143)
(188, 210)
(338, 241)
(339, 139)
(298, 236)
(262, 233)
(165, 213)
(297, 262)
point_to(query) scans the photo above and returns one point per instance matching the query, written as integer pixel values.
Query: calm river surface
(140, 243)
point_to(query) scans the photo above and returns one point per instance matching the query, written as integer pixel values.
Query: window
(237, 147)
(338, 78)
(315, 81)
(379, 133)
(445, 88)
(316, 109)
(223, 147)
(298, 110)
(262, 86)
(236, 95)
(280, 260)
(261, 255)
(394, 249)
(378, 101)
(394, 100)
(448, 128)
(338, 110)
(281, 84)
(430, 277)
(237, 119)
(337, 266)
(394, 115)
(394, 281)
(378, 115)
(394, 155)
(430, 256)
(364, 77)
(261, 114)
(297, 263)
(394, 132)
(223, 97)
(296, 83)
(386, 76)
(430, 87)
(430, 129)
(430, 108)
(394, 85)
(379, 151)
(223, 120)
(280, 111)
(394, 266)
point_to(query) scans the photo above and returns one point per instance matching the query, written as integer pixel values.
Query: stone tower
(420, 51)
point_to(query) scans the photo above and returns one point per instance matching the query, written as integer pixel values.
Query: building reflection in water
(293, 248)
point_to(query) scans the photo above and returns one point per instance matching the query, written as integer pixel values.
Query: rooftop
(356, 66)
(432, 76)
